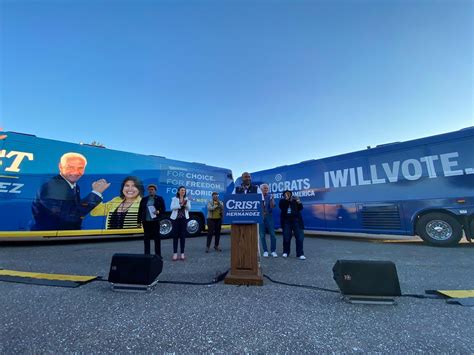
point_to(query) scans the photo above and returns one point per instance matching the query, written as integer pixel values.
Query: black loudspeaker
(135, 269)
(366, 278)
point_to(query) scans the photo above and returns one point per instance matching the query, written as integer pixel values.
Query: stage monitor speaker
(135, 269)
(366, 278)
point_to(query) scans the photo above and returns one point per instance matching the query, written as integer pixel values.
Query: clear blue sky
(246, 85)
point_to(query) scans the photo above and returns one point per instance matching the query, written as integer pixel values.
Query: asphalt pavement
(274, 318)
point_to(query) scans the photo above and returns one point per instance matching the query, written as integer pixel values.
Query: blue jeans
(291, 227)
(267, 225)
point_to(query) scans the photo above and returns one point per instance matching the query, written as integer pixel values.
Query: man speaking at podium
(245, 267)
(246, 187)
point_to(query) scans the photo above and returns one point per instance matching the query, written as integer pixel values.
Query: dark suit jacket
(295, 211)
(58, 207)
(142, 210)
(251, 190)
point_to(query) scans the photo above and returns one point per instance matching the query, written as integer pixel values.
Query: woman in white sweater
(180, 206)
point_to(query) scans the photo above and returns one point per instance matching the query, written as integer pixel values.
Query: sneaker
(285, 255)
(183, 257)
(175, 257)
(265, 254)
(274, 254)
(302, 257)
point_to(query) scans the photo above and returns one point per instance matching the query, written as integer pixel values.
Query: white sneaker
(265, 254)
(285, 255)
(302, 257)
(274, 254)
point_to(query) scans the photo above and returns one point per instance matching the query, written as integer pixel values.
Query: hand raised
(100, 185)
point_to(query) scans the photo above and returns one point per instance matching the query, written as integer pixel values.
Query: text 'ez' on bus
(422, 187)
(52, 190)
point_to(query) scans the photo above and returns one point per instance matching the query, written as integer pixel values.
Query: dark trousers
(291, 227)
(213, 228)
(152, 231)
(179, 228)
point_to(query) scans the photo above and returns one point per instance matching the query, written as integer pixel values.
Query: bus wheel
(439, 229)
(194, 226)
(166, 228)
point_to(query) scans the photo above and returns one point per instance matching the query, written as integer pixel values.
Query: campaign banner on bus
(243, 208)
(53, 189)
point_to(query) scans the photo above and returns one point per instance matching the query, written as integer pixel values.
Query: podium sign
(244, 213)
(243, 209)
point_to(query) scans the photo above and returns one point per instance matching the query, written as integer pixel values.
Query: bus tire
(194, 226)
(439, 229)
(166, 228)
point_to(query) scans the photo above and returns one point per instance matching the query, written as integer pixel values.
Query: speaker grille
(136, 269)
(367, 277)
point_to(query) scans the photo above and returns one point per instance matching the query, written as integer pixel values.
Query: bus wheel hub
(439, 230)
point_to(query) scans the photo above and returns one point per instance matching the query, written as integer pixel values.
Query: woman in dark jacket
(290, 223)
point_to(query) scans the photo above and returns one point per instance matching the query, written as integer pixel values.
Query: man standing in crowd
(150, 211)
(290, 222)
(215, 210)
(267, 223)
(58, 204)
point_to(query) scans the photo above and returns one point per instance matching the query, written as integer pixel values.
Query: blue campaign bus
(421, 187)
(40, 181)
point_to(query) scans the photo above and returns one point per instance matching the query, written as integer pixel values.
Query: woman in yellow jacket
(122, 211)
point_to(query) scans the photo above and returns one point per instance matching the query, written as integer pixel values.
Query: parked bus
(421, 187)
(37, 202)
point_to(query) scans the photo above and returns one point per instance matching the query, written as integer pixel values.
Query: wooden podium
(245, 268)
